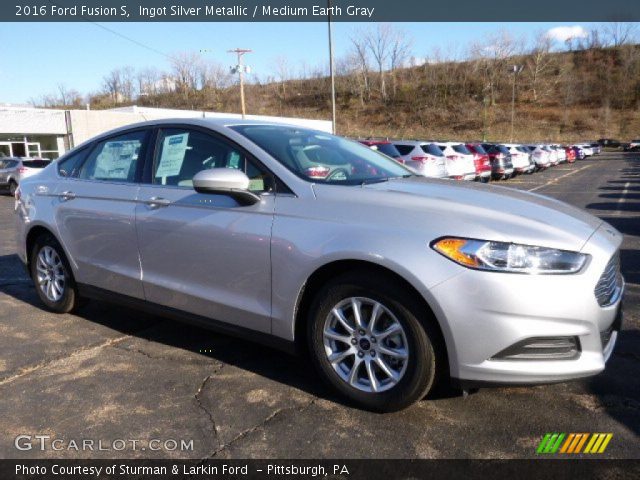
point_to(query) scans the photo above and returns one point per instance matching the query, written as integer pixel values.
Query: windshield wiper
(369, 181)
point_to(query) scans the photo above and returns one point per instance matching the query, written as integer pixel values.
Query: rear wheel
(13, 186)
(373, 342)
(52, 275)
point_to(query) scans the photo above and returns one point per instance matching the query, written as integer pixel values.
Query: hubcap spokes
(50, 274)
(365, 344)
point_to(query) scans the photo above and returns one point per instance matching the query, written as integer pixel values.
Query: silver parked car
(15, 169)
(391, 281)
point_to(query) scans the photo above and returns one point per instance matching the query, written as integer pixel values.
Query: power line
(132, 40)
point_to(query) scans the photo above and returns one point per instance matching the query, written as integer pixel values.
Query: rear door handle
(157, 202)
(64, 196)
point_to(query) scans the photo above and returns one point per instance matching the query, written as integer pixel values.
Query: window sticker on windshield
(174, 148)
(116, 158)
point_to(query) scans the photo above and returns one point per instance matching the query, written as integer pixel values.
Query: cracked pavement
(111, 373)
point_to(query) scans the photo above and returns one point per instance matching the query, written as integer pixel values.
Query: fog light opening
(542, 348)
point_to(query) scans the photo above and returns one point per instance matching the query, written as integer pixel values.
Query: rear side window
(69, 165)
(404, 149)
(388, 149)
(115, 159)
(432, 149)
(479, 149)
(35, 163)
(460, 148)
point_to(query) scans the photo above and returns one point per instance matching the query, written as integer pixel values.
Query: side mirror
(225, 181)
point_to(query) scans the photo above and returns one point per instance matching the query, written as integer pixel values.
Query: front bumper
(488, 312)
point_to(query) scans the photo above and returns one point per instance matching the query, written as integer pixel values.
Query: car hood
(466, 209)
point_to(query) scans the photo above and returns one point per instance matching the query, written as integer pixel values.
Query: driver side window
(182, 153)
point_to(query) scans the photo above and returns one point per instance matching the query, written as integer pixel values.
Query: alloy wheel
(50, 274)
(365, 344)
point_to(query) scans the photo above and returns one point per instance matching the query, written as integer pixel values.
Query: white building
(47, 133)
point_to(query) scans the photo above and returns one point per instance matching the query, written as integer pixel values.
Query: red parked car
(481, 161)
(571, 154)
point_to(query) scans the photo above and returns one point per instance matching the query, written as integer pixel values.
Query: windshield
(321, 157)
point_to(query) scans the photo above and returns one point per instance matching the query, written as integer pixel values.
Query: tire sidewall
(68, 301)
(421, 369)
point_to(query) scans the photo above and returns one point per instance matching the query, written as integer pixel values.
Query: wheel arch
(32, 235)
(329, 270)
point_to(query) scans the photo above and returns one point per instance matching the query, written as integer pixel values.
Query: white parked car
(520, 158)
(424, 158)
(553, 155)
(540, 156)
(586, 148)
(459, 161)
(562, 155)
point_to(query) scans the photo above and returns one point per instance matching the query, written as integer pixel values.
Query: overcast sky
(38, 56)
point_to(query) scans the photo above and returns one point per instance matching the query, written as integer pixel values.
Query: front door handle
(157, 202)
(64, 196)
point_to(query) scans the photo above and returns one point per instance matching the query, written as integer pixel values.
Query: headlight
(509, 257)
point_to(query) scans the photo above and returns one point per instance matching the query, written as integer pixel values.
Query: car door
(205, 253)
(95, 214)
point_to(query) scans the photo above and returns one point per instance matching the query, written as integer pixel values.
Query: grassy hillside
(561, 97)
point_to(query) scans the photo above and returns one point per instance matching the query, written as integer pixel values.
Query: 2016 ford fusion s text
(390, 281)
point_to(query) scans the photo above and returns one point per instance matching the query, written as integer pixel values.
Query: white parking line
(622, 198)
(556, 180)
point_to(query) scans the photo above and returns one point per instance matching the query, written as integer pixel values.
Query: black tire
(12, 188)
(425, 361)
(70, 299)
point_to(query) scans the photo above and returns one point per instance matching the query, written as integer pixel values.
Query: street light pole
(240, 68)
(331, 72)
(516, 70)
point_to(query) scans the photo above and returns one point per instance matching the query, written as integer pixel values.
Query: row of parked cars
(456, 160)
(478, 160)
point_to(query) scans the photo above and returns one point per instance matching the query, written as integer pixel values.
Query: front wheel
(52, 275)
(13, 186)
(372, 342)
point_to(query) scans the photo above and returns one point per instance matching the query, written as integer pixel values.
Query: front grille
(610, 284)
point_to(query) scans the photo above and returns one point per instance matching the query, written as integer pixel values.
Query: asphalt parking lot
(110, 373)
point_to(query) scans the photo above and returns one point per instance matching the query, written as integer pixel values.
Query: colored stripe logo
(574, 443)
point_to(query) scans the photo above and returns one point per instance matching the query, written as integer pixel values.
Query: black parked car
(501, 166)
(609, 142)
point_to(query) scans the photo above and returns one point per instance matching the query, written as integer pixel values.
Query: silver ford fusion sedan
(390, 281)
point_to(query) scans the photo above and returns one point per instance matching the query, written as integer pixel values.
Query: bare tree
(619, 33)
(378, 42)
(539, 64)
(491, 59)
(399, 53)
(112, 85)
(282, 73)
(148, 81)
(185, 68)
(128, 84)
(360, 57)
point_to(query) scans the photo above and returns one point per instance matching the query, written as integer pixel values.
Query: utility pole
(240, 69)
(331, 72)
(516, 70)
